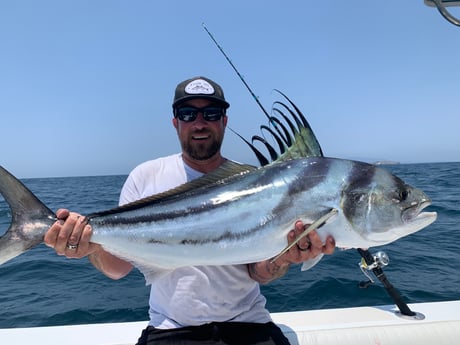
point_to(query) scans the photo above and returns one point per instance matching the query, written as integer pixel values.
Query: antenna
(441, 6)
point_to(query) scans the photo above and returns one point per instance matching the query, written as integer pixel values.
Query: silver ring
(72, 246)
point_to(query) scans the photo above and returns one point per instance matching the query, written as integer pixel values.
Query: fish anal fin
(150, 272)
(306, 265)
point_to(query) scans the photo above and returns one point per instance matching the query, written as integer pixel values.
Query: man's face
(200, 139)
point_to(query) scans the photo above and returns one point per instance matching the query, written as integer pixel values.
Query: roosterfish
(240, 213)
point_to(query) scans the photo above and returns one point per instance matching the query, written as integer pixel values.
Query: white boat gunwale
(358, 325)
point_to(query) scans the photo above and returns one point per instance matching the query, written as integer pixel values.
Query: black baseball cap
(199, 87)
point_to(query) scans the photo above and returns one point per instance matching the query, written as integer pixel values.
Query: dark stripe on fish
(227, 236)
(311, 175)
(356, 194)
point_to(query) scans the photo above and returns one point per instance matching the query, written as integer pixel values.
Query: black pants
(216, 333)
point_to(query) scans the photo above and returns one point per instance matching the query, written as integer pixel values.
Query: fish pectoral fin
(313, 226)
(312, 262)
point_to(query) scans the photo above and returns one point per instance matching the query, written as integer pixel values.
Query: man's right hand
(70, 235)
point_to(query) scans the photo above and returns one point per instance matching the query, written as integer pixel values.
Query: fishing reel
(375, 263)
(379, 260)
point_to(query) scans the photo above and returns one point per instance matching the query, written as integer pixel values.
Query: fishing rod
(375, 264)
(238, 73)
(273, 121)
(369, 262)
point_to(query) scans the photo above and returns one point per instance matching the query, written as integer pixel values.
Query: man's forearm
(110, 265)
(266, 271)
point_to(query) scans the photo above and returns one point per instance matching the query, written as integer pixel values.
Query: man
(193, 305)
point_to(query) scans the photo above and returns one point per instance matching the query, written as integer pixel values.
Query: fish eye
(357, 197)
(403, 195)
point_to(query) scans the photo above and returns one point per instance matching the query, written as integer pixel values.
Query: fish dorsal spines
(226, 170)
(292, 133)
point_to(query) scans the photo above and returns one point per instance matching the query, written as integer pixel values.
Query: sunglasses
(189, 114)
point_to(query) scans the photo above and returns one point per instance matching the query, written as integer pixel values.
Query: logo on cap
(199, 86)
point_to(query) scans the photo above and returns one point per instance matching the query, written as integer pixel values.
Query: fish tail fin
(30, 218)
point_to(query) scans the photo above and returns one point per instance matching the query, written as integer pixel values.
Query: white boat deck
(362, 325)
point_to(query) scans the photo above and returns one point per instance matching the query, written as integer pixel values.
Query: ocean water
(40, 288)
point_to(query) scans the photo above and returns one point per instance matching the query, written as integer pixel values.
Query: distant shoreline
(386, 163)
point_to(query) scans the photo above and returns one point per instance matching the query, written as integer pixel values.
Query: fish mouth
(414, 214)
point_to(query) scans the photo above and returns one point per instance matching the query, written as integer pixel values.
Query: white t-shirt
(194, 295)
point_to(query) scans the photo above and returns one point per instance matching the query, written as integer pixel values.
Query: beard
(201, 150)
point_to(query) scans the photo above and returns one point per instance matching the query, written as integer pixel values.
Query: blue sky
(86, 86)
